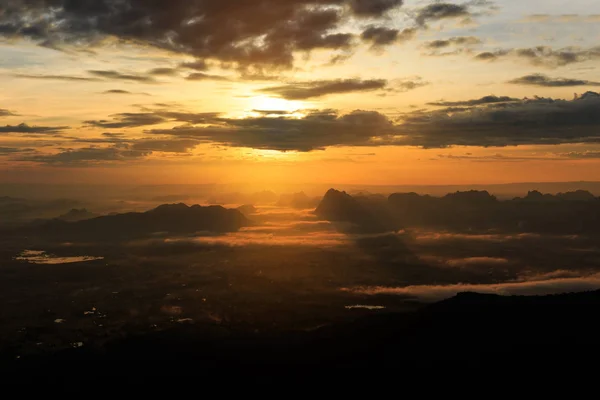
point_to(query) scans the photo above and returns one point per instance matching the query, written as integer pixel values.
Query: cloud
(243, 32)
(475, 102)
(128, 120)
(317, 130)
(453, 41)
(201, 76)
(543, 55)
(121, 91)
(488, 56)
(163, 72)
(579, 155)
(431, 293)
(86, 156)
(6, 113)
(13, 150)
(117, 91)
(563, 18)
(260, 76)
(373, 8)
(529, 121)
(113, 135)
(115, 75)
(57, 77)
(308, 90)
(165, 145)
(440, 11)
(198, 65)
(546, 81)
(380, 36)
(405, 85)
(494, 124)
(35, 130)
(152, 117)
(272, 112)
(189, 117)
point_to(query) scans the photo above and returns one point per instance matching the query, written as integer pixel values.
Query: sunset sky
(315, 91)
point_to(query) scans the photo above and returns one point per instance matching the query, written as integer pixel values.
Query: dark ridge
(166, 219)
(576, 212)
(468, 331)
(364, 215)
(77, 215)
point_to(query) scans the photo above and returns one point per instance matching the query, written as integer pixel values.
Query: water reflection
(41, 257)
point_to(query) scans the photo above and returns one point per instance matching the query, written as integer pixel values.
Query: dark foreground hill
(486, 332)
(169, 218)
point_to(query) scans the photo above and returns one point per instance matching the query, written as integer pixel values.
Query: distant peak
(171, 207)
(587, 95)
(333, 192)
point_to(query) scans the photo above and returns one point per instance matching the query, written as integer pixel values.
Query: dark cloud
(454, 41)
(546, 81)
(86, 156)
(165, 145)
(272, 112)
(497, 123)
(163, 72)
(121, 142)
(475, 102)
(4, 151)
(117, 91)
(128, 120)
(6, 113)
(544, 55)
(307, 90)
(115, 75)
(27, 129)
(198, 65)
(201, 76)
(263, 33)
(188, 117)
(382, 36)
(488, 56)
(248, 76)
(580, 154)
(529, 121)
(57, 77)
(373, 8)
(121, 91)
(317, 130)
(154, 117)
(439, 11)
(405, 85)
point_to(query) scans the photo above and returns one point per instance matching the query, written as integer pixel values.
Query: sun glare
(265, 103)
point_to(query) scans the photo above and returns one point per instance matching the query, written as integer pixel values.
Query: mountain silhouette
(168, 219)
(565, 213)
(77, 215)
(365, 216)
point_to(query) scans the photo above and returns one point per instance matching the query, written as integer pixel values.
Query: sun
(266, 103)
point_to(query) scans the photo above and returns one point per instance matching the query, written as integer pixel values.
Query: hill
(166, 219)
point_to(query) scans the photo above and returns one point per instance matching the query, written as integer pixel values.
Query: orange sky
(349, 91)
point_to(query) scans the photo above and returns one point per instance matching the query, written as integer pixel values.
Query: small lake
(43, 258)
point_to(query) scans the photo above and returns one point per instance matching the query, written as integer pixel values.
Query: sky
(312, 91)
